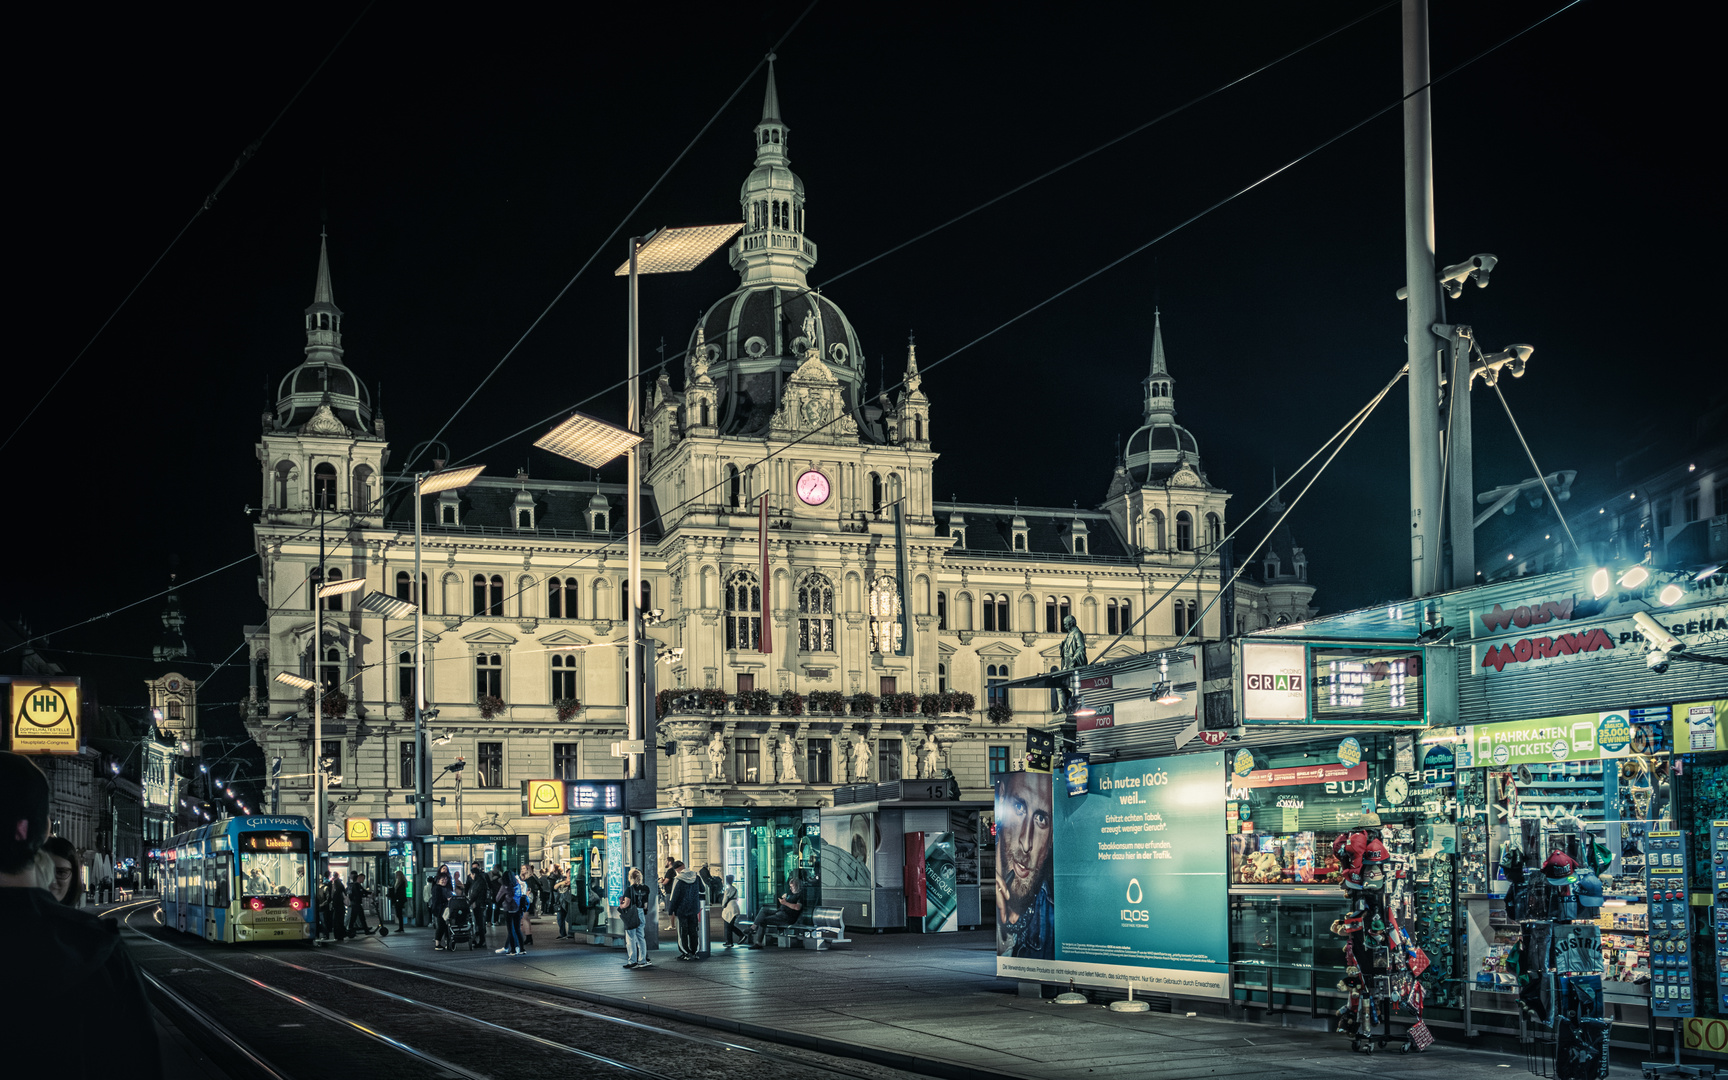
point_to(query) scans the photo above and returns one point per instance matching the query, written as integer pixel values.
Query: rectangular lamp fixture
(671, 250)
(386, 605)
(450, 478)
(337, 588)
(589, 441)
(296, 681)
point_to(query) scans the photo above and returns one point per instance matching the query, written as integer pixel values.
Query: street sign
(365, 830)
(44, 716)
(543, 798)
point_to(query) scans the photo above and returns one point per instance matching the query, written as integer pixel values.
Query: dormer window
(524, 517)
(1019, 541)
(449, 509)
(1079, 545)
(1271, 566)
(959, 536)
(599, 522)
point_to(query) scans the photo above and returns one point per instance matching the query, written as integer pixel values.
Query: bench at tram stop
(824, 928)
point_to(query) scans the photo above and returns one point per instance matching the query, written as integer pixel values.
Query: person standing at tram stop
(338, 907)
(68, 976)
(399, 897)
(633, 913)
(730, 910)
(561, 904)
(510, 907)
(438, 903)
(687, 896)
(68, 886)
(357, 894)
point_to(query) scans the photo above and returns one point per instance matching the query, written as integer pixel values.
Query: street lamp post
(426, 484)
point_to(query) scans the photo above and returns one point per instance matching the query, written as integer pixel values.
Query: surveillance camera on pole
(1453, 277)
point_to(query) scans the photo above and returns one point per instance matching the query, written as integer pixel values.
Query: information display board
(554, 798)
(361, 830)
(1671, 984)
(1124, 886)
(1320, 683)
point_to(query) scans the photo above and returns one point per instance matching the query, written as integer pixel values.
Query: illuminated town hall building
(519, 570)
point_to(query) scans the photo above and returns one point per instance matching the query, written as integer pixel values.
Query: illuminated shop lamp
(1707, 572)
(1165, 694)
(1670, 594)
(1599, 582)
(1634, 578)
(1081, 710)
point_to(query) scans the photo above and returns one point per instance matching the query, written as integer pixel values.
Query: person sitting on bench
(784, 912)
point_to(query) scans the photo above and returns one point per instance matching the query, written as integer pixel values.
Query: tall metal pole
(317, 698)
(633, 541)
(1423, 308)
(422, 805)
(1460, 454)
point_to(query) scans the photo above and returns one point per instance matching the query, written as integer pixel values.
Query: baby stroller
(463, 929)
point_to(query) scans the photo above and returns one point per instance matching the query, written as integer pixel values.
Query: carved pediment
(1185, 477)
(565, 637)
(323, 422)
(812, 405)
(997, 648)
(490, 636)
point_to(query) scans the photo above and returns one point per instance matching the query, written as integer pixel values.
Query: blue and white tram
(241, 879)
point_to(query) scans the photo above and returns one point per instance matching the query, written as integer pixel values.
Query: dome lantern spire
(773, 249)
(322, 380)
(1160, 387)
(323, 317)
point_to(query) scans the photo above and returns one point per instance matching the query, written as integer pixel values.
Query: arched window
(324, 487)
(404, 586)
(1155, 527)
(1050, 623)
(885, 629)
(332, 603)
(1079, 545)
(645, 600)
(1019, 541)
(284, 488)
(1184, 531)
(876, 494)
(1214, 531)
(1064, 608)
(959, 536)
(524, 518)
(1179, 622)
(488, 675)
(941, 678)
(361, 492)
(994, 691)
(561, 598)
(489, 595)
(743, 611)
(1110, 624)
(941, 611)
(815, 613)
(330, 670)
(734, 487)
(996, 612)
(563, 677)
(1127, 616)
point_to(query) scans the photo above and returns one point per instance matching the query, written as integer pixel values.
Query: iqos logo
(1135, 895)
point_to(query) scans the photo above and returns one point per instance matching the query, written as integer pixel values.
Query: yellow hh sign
(545, 797)
(45, 717)
(359, 830)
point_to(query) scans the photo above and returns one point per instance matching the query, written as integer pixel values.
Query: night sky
(468, 166)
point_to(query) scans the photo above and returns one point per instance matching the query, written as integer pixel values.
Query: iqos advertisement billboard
(1123, 886)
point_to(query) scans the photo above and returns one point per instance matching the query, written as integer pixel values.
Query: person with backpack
(509, 905)
(633, 912)
(686, 905)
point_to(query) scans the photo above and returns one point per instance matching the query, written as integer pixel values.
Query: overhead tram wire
(616, 229)
(1249, 558)
(795, 442)
(209, 201)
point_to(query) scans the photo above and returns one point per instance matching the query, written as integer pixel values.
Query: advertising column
(1121, 885)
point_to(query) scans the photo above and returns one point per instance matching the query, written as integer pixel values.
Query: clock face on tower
(813, 488)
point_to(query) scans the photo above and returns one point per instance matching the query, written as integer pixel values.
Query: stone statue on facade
(717, 757)
(859, 750)
(810, 325)
(931, 766)
(788, 765)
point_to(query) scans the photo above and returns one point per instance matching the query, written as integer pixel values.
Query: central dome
(759, 334)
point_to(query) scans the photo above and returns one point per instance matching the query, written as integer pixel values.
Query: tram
(241, 879)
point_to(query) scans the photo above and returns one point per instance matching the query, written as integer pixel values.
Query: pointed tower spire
(913, 379)
(1160, 387)
(323, 317)
(773, 248)
(321, 293)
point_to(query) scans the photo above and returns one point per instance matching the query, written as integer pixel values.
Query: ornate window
(1052, 624)
(489, 595)
(1155, 530)
(1214, 531)
(743, 611)
(489, 769)
(563, 677)
(566, 761)
(330, 669)
(996, 613)
(888, 759)
(561, 598)
(645, 604)
(1110, 617)
(885, 629)
(941, 611)
(1184, 531)
(941, 678)
(1064, 608)
(734, 487)
(818, 761)
(405, 680)
(488, 675)
(815, 614)
(995, 675)
(747, 760)
(876, 494)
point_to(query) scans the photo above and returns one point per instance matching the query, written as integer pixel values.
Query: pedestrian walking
(730, 911)
(338, 907)
(479, 900)
(561, 903)
(357, 894)
(686, 905)
(399, 896)
(71, 986)
(633, 913)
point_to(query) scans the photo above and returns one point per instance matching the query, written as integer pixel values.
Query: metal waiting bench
(826, 927)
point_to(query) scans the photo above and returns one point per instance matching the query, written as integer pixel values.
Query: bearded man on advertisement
(1025, 911)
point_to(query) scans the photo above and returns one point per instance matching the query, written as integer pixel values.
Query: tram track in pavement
(355, 1014)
